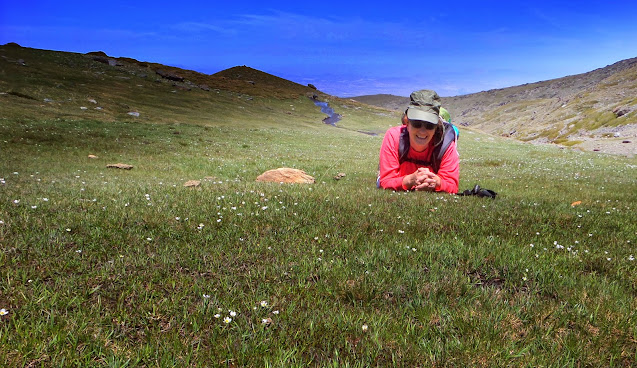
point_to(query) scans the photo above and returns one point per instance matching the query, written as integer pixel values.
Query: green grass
(106, 267)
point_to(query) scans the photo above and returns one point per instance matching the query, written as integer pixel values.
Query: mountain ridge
(596, 110)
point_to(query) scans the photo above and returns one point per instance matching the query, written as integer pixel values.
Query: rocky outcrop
(286, 175)
(168, 75)
(192, 183)
(621, 110)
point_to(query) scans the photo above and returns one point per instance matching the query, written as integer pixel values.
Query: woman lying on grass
(421, 154)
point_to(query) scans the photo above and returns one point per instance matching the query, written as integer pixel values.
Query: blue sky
(345, 48)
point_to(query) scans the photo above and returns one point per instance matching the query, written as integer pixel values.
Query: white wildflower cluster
(266, 320)
(227, 319)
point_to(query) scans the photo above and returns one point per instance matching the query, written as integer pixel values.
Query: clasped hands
(422, 179)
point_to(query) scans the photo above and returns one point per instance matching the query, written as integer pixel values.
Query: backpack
(449, 135)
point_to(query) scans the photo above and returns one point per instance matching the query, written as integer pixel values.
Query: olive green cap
(424, 105)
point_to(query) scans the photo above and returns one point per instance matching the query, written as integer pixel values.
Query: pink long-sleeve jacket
(392, 171)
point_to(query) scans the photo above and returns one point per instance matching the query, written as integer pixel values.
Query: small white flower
(401, 232)
(631, 258)
(45, 199)
(206, 296)
(217, 315)
(68, 230)
(227, 320)
(232, 313)
(264, 303)
(365, 328)
(149, 239)
(275, 312)
(78, 251)
(16, 201)
(34, 207)
(524, 278)
(3, 312)
(177, 218)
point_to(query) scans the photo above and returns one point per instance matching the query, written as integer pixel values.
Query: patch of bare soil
(614, 146)
(616, 140)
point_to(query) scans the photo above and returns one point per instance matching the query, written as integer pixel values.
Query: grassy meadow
(129, 268)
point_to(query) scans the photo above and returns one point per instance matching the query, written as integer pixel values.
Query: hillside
(40, 84)
(592, 111)
(390, 102)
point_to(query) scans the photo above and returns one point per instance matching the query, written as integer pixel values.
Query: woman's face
(420, 134)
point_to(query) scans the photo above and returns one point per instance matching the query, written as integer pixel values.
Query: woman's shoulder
(395, 130)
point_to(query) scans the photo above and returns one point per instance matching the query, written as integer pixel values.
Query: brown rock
(168, 75)
(621, 110)
(339, 176)
(286, 175)
(192, 183)
(119, 166)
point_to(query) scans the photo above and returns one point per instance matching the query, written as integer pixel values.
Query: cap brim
(417, 114)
